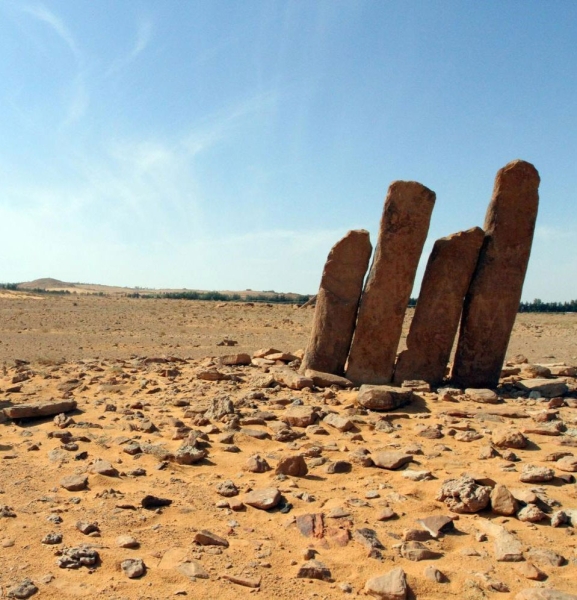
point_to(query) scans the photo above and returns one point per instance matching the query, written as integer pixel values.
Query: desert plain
(153, 393)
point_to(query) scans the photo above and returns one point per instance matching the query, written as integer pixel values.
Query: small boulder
(391, 586)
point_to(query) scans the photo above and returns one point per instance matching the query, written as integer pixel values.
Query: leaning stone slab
(493, 298)
(327, 379)
(337, 304)
(436, 319)
(548, 388)
(40, 409)
(383, 397)
(403, 230)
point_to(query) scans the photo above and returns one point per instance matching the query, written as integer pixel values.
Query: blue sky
(229, 144)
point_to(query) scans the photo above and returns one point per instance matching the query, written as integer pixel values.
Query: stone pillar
(403, 231)
(337, 303)
(436, 319)
(492, 301)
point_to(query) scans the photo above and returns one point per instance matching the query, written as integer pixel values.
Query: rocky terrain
(156, 449)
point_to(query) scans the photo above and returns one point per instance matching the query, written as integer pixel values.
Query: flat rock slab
(384, 397)
(40, 409)
(263, 499)
(292, 380)
(390, 586)
(548, 388)
(323, 380)
(391, 460)
(193, 570)
(314, 569)
(74, 483)
(482, 395)
(207, 538)
(299, 416)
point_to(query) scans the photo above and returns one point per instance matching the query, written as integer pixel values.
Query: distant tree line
(221, 297)
(550, 307)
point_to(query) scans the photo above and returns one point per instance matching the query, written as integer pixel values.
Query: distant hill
(46, 283)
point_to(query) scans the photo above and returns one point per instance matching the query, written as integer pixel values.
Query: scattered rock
(314, 569)
(294, 465)
(384, 397)
(263, 499)
(391, 460)
(391, 586)
(464, 495)
(133, 567)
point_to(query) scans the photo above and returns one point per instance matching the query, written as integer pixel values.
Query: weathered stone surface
(337, 304)
(40, 409)
(548, 388)
(104, 467)
(74, 483)
(507, 547)
(300, 416)
(323, 380)
(263, 499)
(294, 465)
(193, 570)
(311, 525)
(438, 311)
(492, 301)
(133, 567)
(391, 586)
(403, 230)
(207, 538)
(464, 495)
(314, 569)
(568, 464)
(256, 464)
(338, 422)
(437, 524)
(502, 501)
(391, 460)
(417, 551)
(536, 474)
(235, 359)
(482, 395)
(294, 381)
(127, 541)
(24, 589)
(509, 438)
(383, 397)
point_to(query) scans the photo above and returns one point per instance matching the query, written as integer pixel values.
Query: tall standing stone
(403, 231)
(436, 319)
(492, 301)
(337, 303)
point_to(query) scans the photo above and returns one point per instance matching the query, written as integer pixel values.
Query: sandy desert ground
(141, 373)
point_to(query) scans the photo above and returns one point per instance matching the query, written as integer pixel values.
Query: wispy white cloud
(41, 13)
(221, 123)
(76, 97)
(143, 38)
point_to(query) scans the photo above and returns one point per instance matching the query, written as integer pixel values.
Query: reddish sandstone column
(337, 303)
(492, 301)
(436, 319)
(403, 230)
